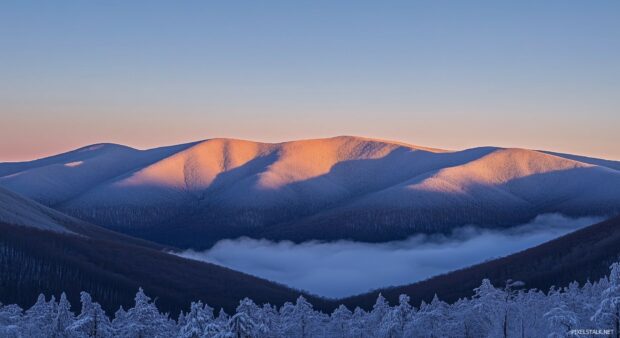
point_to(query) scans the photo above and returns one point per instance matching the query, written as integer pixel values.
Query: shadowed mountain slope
(579, 256)
(337, 188)
(50, 252)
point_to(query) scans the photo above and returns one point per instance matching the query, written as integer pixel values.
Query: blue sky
(448, 74)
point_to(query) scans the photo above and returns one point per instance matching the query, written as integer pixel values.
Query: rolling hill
(337, 188)
(42, 250)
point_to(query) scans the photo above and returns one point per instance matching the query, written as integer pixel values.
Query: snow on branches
(508, 311)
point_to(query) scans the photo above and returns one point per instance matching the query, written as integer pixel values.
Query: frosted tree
(10, 319)
(491, 312)
(270, 321)
(467, 321)
(256, 314)
(300, 320)
(120, 321)
(529, 310)
(38, 319)
(196, 321)
(63, 319)
(393, 323)
(590, 294)
(608, 312)
(181, 321)
(263, 318)
(92, 320)
(431, 321)
(495, 305)
(359, 327)
(213, 330)
(222, 318)
(218, 328)
(340, 322)
(561, 320)
(242, 326)
(145, 320)
(379, 310)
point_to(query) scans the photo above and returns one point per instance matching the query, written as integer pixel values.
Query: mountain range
(194, 194)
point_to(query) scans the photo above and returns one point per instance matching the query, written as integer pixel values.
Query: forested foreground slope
(21, 211)
(579, 256)
(590, 310)
(43, 250)
(34, 261)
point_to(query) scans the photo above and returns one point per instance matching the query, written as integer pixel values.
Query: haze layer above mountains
(195, 194)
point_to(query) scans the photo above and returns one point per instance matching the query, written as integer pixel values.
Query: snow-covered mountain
(342, 187)
(60, 178)
(19, 211)
(16, 210)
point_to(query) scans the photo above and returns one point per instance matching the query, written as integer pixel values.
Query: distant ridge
(344, 187)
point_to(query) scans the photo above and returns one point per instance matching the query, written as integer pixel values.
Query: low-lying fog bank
(344, 268)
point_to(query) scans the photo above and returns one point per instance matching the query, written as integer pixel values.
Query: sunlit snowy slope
(342, 187)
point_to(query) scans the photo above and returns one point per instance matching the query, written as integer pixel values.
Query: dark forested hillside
(582, 255)
(34, 261)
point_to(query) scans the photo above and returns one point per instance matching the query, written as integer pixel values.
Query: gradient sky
(447, 74)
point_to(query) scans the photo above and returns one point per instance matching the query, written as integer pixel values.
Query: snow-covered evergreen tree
(270, 321)
(300, 320)
(242, 326)
(39, 318)
(491, 312)
(393, 323)
(430, 321)
(494, 306)
(340, 322)
(359, 327)
(196, 321)
(379, 310)
(561, 320)
(120, 321)
(10, 319)
(92, 321)
(608, 312)
(63, 319)
(530, 307)
(145, 320)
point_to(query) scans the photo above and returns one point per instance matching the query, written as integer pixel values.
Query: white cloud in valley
(343, 268)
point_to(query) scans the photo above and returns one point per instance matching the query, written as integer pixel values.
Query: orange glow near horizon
(456, 75)
(27, 139)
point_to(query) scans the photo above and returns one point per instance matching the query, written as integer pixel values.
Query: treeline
(590, 310)
(197, 224)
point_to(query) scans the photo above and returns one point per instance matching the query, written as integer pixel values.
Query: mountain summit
(194, 194)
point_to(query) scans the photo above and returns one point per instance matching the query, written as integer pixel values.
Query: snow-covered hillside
(17, 210)
(339, 187)
(62, 177)
(510, 310)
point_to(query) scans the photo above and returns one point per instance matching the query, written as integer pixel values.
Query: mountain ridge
(333, 188)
